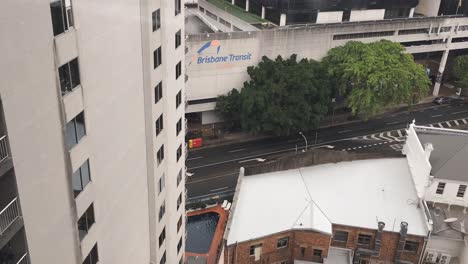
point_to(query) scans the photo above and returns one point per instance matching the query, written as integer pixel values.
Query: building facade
(92, 152)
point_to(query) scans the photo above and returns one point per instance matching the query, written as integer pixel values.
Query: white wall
(449, 195)
(329, 17)
(370, 14)
(428, 7)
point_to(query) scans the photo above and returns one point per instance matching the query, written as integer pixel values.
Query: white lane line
(236, 150)
(399, 133)
(373, 136)
(256, 159)
(440, 125)
(219, 189)
(392, 123)
(211, 178)
(437, 115)
(456, 122)
(365, 137)
(210, 194)
(464, 121)
(448, 124)
(459, 112)
(389, 134)
(195, 158)
(344, 131)
(381, 135)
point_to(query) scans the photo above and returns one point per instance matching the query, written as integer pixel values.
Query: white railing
(23, 259)
(186, 125)
(8, 215)
(3, 148)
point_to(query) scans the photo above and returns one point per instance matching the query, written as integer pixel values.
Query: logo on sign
(201, 59)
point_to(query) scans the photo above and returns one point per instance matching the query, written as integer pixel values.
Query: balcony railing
(8, 215)
(3, 148)
(23, 259)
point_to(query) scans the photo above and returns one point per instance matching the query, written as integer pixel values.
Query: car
(446, 100)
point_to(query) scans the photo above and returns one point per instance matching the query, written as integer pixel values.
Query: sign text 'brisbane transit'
(200, 59)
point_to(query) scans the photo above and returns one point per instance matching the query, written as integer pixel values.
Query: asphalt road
(214, 170)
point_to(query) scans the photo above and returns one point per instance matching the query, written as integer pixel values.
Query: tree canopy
(375, 75)
(460, 70)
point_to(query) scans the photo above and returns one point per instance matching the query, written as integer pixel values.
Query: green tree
(375, 75)
(228, 107)
(460, 70)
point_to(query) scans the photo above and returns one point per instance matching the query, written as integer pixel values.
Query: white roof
(357, 193)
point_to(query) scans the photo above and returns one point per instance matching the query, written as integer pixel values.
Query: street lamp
(305, 139)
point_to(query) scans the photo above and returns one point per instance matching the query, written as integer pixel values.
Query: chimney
(378, 239)
(428, 148)
(401, 241)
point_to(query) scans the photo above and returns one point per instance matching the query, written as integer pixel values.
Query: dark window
(346, 15)
(161, 184)
(364, 239)
(157, 57)
(411, 246)
(440, 188)
(80, 178)
(75, 130)
(363, 35)
(179, 201)
(178, 70)
(159, 124)
(252, 249)
(162, 237)
(178, 38)
(177, 6)
(178, 126)
(85, 222)
(179, 223)
(303, 250)
(461, 190)
(318, 253)
(93, 256)
(179, 177)
(163, 259)
(179, 245)
(160, 155)
(178, 100)
(156, 20)
(413, 31)
(69, 75)
(162, 210)
(340, 236)
(62, 16)
(179, 152)
(282, 242)
(158, 92)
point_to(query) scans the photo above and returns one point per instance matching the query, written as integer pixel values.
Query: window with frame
(156, 15)
(179, 152)
(75, 130)
(161, 183)
(162, 210)
(159, 124)
(178, 70)
(179, 245)
(179, 224)
(157, 58)
(162, 237)
(160, 155)
(177, 7)
(93, 256)
(80, 178)
(440, 188)
(179, 201)
(85, 222)
(282, 242)
(253, 248)
(158, 92)
(340, 236)
(317, 253)
(179, 177)
(62, 16)
(178, 126)
(364, 239)
(69, 75)
(411, 246)
(461, 191)
(178, 38)
(163, 258)
(178, 99)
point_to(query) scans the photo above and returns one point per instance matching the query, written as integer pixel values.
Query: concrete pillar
(247, 5)
(233, 2)
(283, 20)
(411, 12)
(263, 12)
(443, 61)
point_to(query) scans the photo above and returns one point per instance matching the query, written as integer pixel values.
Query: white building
(92, 103)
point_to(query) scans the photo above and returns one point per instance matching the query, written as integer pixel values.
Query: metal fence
(3, 148)
(8, 215)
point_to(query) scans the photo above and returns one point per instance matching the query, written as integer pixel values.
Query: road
(214, 170)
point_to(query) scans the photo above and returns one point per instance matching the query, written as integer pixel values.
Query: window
(69, 75)
(363, 35)
(340, 236)
(177, 6)
(178, 38)
(411, 246)
(179, 224)
(461, 191)
(161, 184)
(85, 222)
(162, 236)
(318, 253)
(80, 178)
(62, 16)
(179, 201)
(179, 177)
(156, 20)
(160, 155)
(178, 70)
(282, 242)
(93, 256)
(179, 245)
(158, 92)
(75, 130)
(179, 152)
(159, 124)
(163, 258)
(413, 31)
(157, 57)
(254, 248)
(178, 126)
(440, 188)
(303, 250)
(178, 99)
(162, 210)
(364, 239)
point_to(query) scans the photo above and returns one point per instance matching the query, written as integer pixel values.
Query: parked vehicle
(446, 100)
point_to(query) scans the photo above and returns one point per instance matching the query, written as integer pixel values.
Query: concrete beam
(247, 5)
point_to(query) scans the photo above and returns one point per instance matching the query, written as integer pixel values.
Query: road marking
(256, 159)
(374, 137)
(454, 113)
(211, 178)
(219, 189)
(392, 123)
(210, 194)
(236, 150)
(344, 131)
(399, 133)
(448, 124)
(294, 140)
(381, 135)
(392, 115)
(464, 120)
(440, 125)
(195, 158)
(437, 115)
(456, 122)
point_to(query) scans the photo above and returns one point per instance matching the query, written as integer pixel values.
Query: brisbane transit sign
(199, 58)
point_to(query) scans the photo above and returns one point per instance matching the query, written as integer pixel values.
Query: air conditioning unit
(444, 259)
(431, 257)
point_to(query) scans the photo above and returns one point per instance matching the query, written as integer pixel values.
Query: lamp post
(305, 139)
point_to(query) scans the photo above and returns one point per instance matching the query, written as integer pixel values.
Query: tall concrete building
(92, 132)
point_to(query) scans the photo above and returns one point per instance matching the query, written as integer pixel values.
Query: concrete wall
(428, 7)
(329, 17)
(365, 15)
(445, 246)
